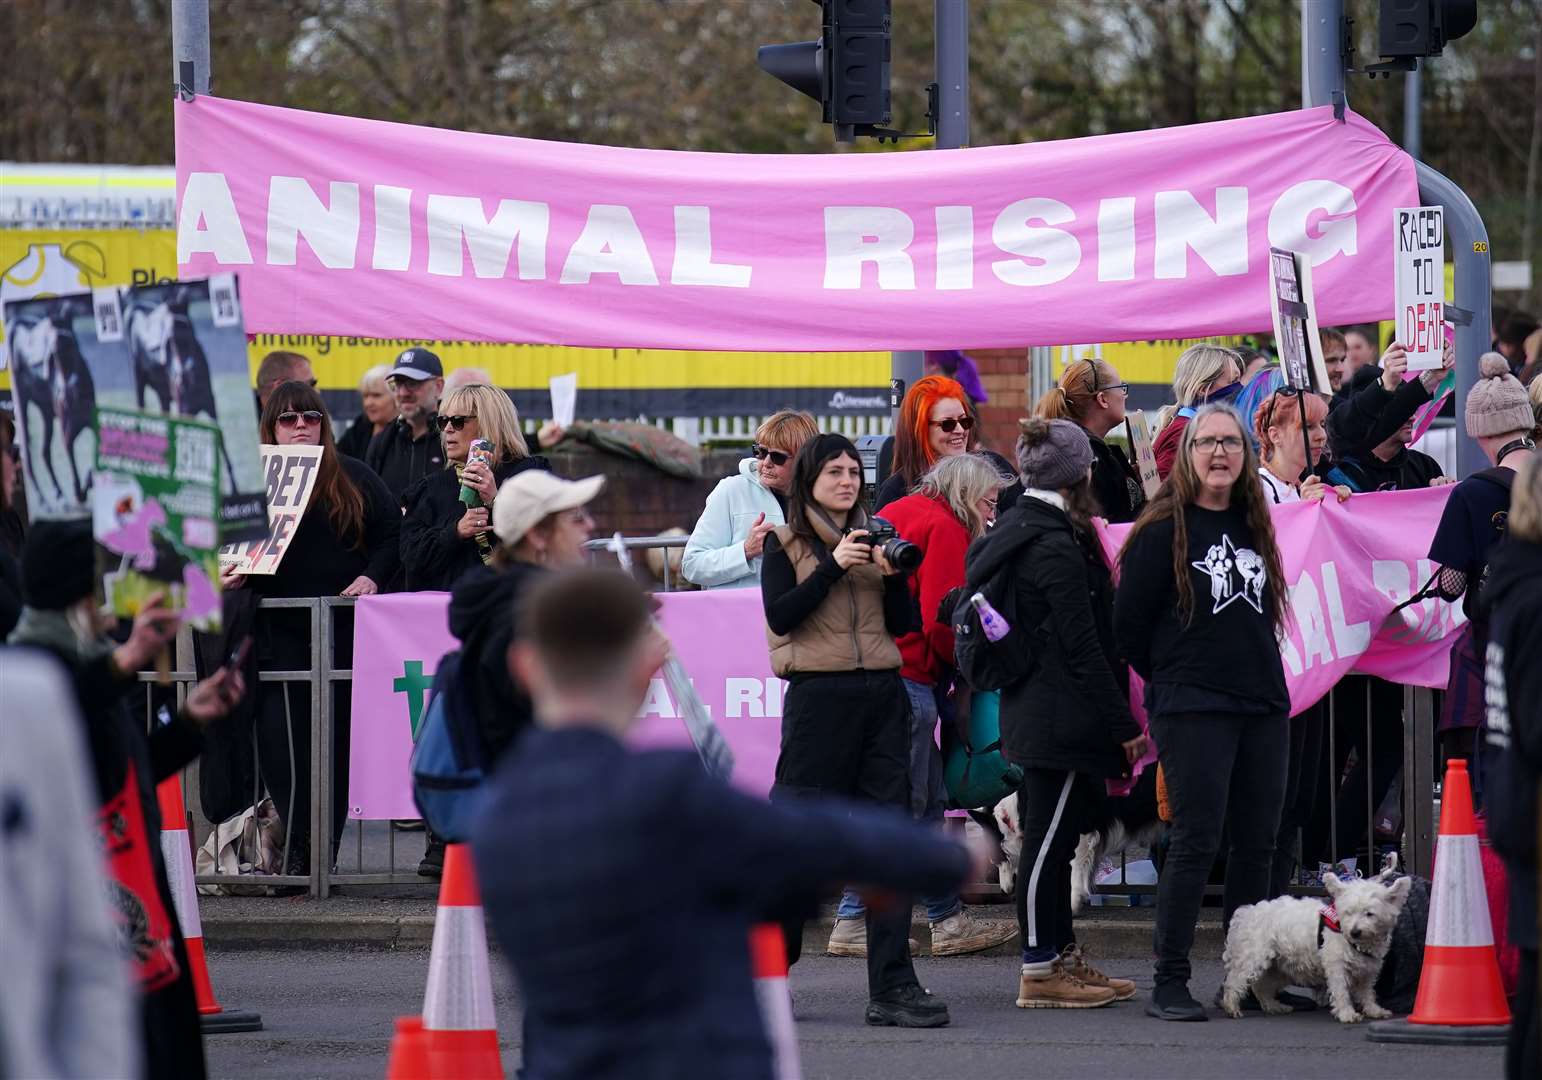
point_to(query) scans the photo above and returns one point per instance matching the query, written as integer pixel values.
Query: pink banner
(359, 227)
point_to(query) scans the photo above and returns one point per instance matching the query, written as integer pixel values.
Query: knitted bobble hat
(1052, 454)
(1497, 404)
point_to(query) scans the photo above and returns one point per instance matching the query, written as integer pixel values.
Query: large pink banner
(360, 227)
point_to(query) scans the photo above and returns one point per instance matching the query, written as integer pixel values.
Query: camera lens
(902, 555)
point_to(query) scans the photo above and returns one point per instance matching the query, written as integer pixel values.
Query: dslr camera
(901, 553)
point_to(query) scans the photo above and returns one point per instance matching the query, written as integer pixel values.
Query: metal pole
(1412, 102)
(190, 44)
(1322, 60)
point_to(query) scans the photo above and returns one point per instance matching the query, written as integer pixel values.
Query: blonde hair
(1072, 397)
(1525, 520)
(375, 379)
(1198, 367)
(962, 481)
(786, 430)
(1534, 391)
(497, 419)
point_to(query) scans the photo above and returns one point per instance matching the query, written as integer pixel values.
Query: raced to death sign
(1420, 284)
(290, 473)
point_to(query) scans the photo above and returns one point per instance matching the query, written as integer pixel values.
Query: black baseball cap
(418, 364)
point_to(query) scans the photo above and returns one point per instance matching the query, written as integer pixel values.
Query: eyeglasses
(310, 417)
(1208, 444)
(953, 423)
(402, 382)
(989, 504)
(763, 453)
(1112, 386)
(457, 422)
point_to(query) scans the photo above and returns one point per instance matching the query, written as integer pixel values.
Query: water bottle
(991, 621)
(480, 450)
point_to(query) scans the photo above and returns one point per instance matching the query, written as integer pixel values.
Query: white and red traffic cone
(768, 965)
(458, 1005)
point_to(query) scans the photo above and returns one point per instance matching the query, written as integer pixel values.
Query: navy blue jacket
(622, 887)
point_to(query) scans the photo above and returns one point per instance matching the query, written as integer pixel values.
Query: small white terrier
(1299, 941)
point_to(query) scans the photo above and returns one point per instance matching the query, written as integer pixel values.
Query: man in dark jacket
(408, 448)
(642, 969)
(1512, 758)
(1390, 465)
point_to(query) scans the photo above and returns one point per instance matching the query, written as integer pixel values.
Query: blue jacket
(622, 887)
(714, 557)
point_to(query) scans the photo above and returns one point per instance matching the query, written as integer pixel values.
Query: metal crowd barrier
(1419, 762)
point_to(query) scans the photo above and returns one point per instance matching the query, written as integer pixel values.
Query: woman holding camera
(443, 536)
(834, 605)
(953, 505)
(1200, 604)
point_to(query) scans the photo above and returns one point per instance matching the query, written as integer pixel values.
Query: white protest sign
(1295, 322)
(564, 398)
(1140, 446)
(1420, 233)
(290, 473)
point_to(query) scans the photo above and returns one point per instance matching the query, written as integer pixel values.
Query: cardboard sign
(1420, 233)
(155, 513)
(1295, 322)
(564, 398)
(290, 472)
(1145, 456)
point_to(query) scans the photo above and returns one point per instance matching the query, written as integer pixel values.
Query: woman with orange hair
(937, 420)
(1284, 471)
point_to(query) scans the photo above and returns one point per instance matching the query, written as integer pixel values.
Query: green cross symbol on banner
(414, 684)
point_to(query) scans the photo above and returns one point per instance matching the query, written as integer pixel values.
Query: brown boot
(1075, 962)
(1060, 990)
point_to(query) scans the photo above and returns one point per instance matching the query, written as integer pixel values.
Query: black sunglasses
(953, 423)
(290, 419)
(456, 422)
(763, 452)
(1112, 386)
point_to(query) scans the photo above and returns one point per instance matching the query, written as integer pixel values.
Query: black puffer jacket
(1071, 712)
(1115, 482)
(433, 554)
(482, 616)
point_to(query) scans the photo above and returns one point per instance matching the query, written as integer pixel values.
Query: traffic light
(1414, 28)
(846, 70)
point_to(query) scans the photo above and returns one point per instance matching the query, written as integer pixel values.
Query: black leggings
(1055, 808)
(849, 734)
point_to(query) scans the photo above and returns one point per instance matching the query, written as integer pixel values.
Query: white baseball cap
(528, 498)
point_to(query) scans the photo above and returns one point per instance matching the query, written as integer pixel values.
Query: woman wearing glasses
(725, 549)
(444, 534)
(936, 420)
(1091, 395)
(1200, 602)
(345, 544)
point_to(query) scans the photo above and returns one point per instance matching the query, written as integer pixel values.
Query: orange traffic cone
(177, 853)
(458, 1006)
(768, 964)
(409, 1051)
(1461, 999)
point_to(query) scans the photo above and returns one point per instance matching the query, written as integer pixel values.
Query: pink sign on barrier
(347, 226)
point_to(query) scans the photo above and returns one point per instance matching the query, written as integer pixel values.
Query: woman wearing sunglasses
(345, 544)
(443, 536)
(725, 548)
(1091, 395)
(936, 420)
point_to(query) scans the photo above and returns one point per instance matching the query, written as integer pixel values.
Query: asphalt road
(330, 1014)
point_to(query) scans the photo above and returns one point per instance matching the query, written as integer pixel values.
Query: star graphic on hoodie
(1235, 574)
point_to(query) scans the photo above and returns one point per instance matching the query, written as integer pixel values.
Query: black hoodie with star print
(1224, 658)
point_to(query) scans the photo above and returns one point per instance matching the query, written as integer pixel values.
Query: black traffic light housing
(1410, 29)
(846, 70)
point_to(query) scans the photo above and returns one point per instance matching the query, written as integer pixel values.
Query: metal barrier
(597, 548)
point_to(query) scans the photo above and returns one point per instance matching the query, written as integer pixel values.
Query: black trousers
(1302, 773)
(1523, 1053)
(1054, 808)
(849, 734)
(1222, 771)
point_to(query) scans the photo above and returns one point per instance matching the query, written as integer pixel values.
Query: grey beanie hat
(1497, 404)
(1052, 454)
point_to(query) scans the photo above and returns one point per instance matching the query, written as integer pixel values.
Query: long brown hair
(811, 460)
(344, 501)
(1181, 489)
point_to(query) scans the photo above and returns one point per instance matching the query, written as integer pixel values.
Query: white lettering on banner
(1325, 639)
(393, 228)
(209, 222)
(1306, 608)
(659, 703)
(1351, 639)
(1321, 205)
(611, 243)
(456, 223)
(856, 235)
(1116, 239)
(331, 230)
(1430, 619)
(955, 247)
(740, 695)
(693, 253)
(1183, 224)
(1056, 253)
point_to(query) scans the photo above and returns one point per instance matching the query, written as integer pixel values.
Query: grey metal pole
(190, 43)
(1322, 62)
(1412, 102)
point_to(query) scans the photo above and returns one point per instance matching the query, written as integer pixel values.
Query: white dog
(1302, 942)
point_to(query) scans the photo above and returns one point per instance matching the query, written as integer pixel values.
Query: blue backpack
(447, 759)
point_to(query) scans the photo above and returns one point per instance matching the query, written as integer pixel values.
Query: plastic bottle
(991, 621)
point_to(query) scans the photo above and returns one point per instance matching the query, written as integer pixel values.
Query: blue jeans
(926, 795)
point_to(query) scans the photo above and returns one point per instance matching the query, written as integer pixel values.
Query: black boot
(432, 865)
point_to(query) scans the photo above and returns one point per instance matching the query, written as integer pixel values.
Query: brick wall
(1005, 375)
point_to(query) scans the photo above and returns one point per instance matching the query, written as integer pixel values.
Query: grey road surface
(330, 1014)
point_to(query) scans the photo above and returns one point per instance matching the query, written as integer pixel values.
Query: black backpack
(983, 663)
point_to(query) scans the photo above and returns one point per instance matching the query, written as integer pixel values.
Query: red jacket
(930, 525)
(1165, 446)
